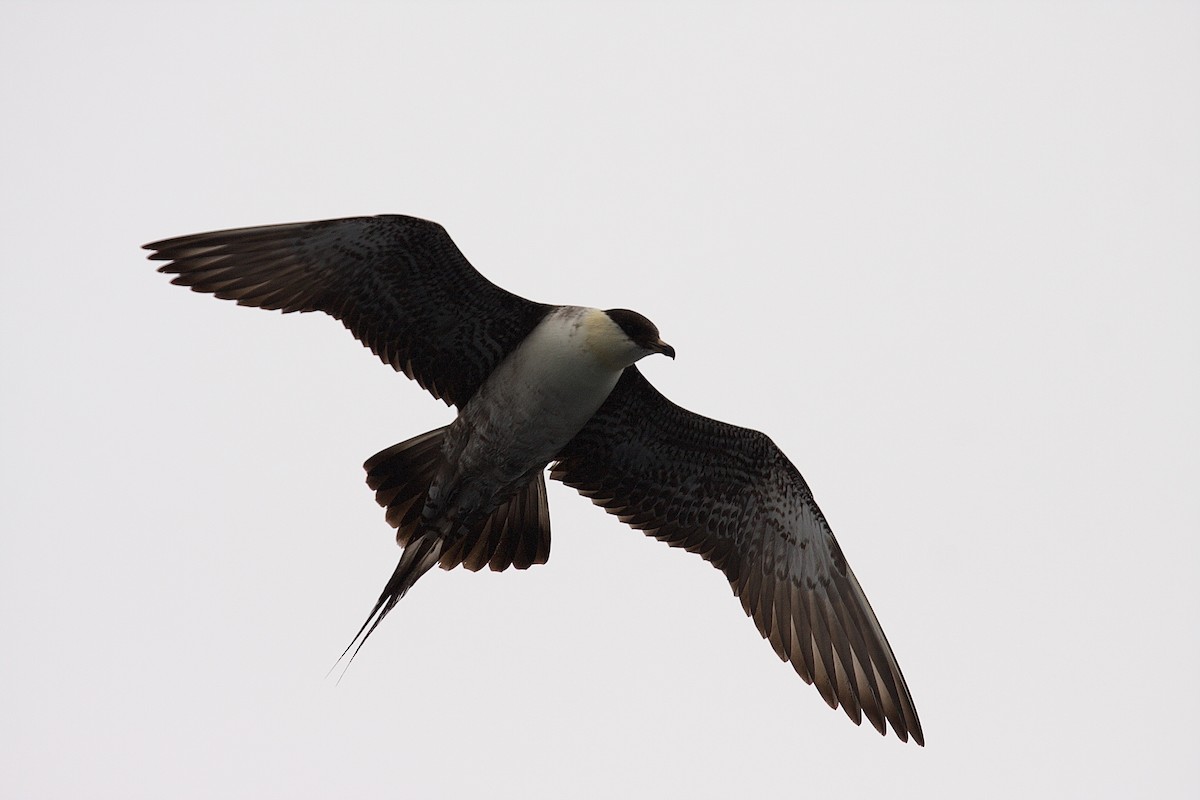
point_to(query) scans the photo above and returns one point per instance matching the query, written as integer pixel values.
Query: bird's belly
(530, 408)
(518, 421)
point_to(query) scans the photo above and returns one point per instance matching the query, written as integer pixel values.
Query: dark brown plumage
(726, 493)
(730, 495)
(398, 283)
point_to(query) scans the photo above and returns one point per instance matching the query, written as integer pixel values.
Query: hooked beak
(662, 347)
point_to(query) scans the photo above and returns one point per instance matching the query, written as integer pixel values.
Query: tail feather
(418, 558)
(516, 533)
(401, 475)
(506, 545)
(532, 550)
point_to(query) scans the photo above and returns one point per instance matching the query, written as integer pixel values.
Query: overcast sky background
(947, 255)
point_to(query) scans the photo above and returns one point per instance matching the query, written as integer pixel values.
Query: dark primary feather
(730, 495)
(398, 283)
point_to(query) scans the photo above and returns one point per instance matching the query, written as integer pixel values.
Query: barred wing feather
(731, 496)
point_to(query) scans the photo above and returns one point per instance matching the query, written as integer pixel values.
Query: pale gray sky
(947, 255)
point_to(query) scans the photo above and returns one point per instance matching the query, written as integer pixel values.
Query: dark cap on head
(640, 330)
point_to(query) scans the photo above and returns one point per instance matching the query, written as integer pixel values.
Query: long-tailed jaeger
(536, 385)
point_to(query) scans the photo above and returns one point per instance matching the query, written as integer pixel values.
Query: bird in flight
(539, 385)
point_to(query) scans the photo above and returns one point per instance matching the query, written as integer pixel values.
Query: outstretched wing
(398, 283)
(731, 496)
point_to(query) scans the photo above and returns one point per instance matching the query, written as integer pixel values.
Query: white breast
(531, 406)
(541, 394)
(557, 378)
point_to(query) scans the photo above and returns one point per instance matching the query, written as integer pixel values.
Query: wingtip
(905, 734)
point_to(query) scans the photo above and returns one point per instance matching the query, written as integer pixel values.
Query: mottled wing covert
(731, 496)
(398, 283)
